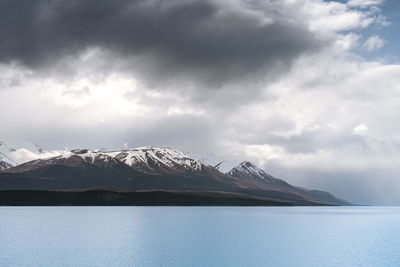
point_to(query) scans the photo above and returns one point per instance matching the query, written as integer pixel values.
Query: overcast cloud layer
(281, 83)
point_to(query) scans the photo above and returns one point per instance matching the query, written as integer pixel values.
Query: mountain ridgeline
(146, 176)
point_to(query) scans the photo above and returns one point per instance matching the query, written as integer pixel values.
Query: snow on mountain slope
(148, 160)
(247, 169)
(5, 165)
(74, 158)
(154, 160)
(247, 174)
(88, 156)
(7, 157)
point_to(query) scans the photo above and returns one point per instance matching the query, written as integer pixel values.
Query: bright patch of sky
(379, 41)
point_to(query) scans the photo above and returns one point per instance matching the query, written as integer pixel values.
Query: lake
(199, 236)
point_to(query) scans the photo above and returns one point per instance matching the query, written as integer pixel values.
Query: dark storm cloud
(202, 40)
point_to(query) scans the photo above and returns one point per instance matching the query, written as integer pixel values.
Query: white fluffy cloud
(374, 42)
(360, 129)
(23, 155)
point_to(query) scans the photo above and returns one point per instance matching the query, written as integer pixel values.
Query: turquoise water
(199, 236)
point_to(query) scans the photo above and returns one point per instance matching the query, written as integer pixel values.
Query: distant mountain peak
(248, 164)
(247, 168)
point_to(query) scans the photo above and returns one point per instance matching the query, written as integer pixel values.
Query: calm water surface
(199, 236)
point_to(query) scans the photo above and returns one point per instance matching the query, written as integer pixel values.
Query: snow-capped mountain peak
(246, 169)
(158, 159)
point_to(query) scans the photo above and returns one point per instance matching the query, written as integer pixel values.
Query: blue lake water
(199, 236)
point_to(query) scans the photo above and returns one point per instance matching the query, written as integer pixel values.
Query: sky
(309, 90)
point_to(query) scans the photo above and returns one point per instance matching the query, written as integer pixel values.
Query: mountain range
(145, 176)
